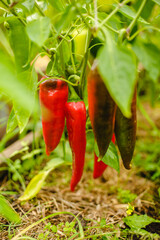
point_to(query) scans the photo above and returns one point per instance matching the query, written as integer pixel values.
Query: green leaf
(29, 4)
(38, 30)
(66, 18)
(90, 141)
(111, 157)
(53, 163)
(22, 116)
(125, 196)
(7, 212)
(13, 86)
(130, 13)
(159, 192)
(19, 42)
(96, 149)
(56, 4)
(12, 122)
(34, 186)
(149, 55)
(117, 67)
(157, 1)
(136, 222)
(37, 181)
(4, 42)
(147, 10)
(65, 49)
(2, 19)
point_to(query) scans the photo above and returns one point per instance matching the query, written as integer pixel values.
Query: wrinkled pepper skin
(101, 110)
(100, 167)
(53, 95)
(125, 131)
(76, 125)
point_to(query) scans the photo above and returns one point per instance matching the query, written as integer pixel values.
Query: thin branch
(95, 14)
(130, 27)
(13, 12)
(39, 9)
(143, 29)
(114, 11)
(81, 15)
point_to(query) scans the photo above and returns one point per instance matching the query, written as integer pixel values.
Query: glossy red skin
(76, 125)
(100, 167)
(102, 110)
(53, 95)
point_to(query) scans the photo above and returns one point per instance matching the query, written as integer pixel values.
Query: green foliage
(38, 30)
(125, 196)
(130, 13)
(22, 115)
(19, 42)
(90, 141)
(37, 181)
(136, 222)
(157, 1)
(12, 86)
(149, 56)
(117, 66)
(147, 160)
(12, 122)
(66, 18)
(68, 229)
(111, 157)
(7, 212)
(57, 4)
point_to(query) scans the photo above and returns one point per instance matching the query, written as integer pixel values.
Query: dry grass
(92, 201)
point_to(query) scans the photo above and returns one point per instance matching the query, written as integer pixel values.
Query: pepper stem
(73, 96)
(99, 158)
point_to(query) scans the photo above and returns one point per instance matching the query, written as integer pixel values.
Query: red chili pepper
(100, 167)
(102, 110)
(53, 95)
(76, 126)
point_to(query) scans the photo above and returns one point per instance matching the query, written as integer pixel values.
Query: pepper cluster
(106, 118)
(53, 97)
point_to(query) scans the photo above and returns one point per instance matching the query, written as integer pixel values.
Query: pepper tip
(72, 188)
(47, 152)
(128, 166)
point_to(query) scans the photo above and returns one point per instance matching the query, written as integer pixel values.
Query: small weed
(148, 159)
(67, 229)
(125, 196)
(130, 209)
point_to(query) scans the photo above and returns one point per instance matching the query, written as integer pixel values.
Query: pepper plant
(123, 37)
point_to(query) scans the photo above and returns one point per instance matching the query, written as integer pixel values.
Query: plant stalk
(13, 12)
(39, 9)
(85, 59)
(95, 15)
(130, 27)
(143, 29)
(113, 12)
